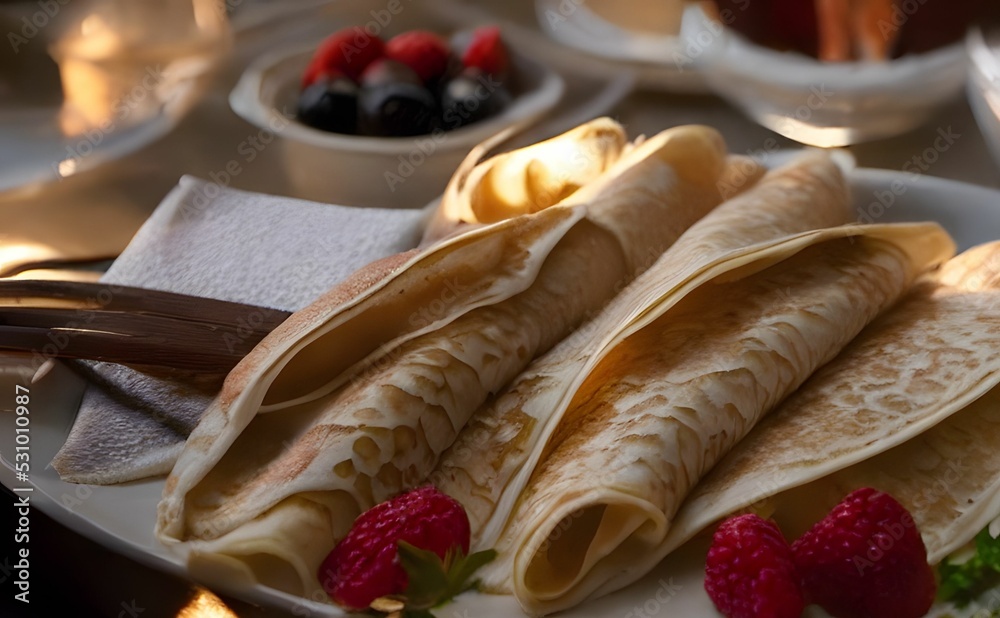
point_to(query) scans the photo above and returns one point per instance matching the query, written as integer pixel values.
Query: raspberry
(749, 572)
(364, 565)
(346, 51)
(486, 51)
(866, 559)
(424, 52)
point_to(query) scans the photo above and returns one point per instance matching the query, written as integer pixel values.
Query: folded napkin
(210, 241)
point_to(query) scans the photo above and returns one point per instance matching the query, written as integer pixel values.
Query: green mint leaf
(961, 583)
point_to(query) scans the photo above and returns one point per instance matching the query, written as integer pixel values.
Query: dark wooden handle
(131, 326)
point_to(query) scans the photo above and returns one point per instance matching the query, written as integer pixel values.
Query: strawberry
(413, 545)
(486, 51)
(866, 559)
(749, 572)
(346, 51)
(424, 52)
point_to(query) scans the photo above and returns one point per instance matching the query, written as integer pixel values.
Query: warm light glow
(823, 137)
(97, 39)
(67, 167)
(14, 254)
(209, 15)
(993, 101)
(206, 605)
(92, 25)
(87, 64)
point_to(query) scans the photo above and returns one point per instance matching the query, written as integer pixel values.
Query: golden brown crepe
(489, 464)
(909, 407)
(670, 400)
(351, 403)
(525, 180)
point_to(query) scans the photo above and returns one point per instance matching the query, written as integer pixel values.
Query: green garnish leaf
(963, 582)
(464, 567)
(428, 579)
(434, 582)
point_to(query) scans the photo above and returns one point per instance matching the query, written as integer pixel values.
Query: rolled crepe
(490, 463)
(355, 413)
(910, 407)
(672, 398)
(525, 180)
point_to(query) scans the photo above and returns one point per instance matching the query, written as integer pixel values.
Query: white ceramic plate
(122, 517)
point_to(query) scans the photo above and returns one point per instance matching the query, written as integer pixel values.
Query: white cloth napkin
(207, 240)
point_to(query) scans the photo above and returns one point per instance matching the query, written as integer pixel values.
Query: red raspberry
(486, 51)
(364, 565)
(749, 571)
(346, 51)
(866, 560)
(424, 52)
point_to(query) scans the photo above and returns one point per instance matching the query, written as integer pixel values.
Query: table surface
(109, 204)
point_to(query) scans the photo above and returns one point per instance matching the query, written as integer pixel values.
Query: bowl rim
(247, 101)
(739, 55)
(982, 57)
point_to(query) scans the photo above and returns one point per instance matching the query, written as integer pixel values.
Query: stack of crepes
(602, 323)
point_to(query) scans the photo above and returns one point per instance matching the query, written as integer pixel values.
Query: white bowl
(984, 84)
(833, 104)
(663, 55)
(388, 172)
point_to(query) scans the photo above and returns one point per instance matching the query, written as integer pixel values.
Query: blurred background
(105, 104)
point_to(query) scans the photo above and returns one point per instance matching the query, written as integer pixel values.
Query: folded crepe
(511, 439)
(191, 248)
(488, 466)
(525, 180)
(348, 403)
(670, 400)
(206, 240)
(911, 407)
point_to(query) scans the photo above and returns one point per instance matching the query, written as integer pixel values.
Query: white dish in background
(833, 104)
(122, 517)
(127, 75)
(984, 84)
(393, 172)
(661, 60)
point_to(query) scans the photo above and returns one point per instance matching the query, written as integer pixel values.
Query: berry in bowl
(416, 82)
(384, 121)
(836, 72)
